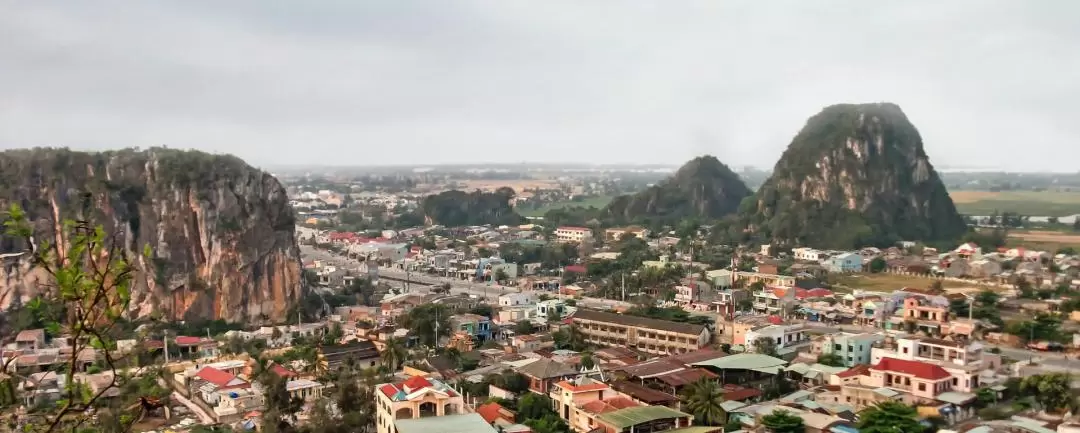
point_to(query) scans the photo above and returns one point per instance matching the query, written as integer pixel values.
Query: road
(204, 417)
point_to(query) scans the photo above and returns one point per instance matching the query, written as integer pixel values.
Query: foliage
(703, 399)
(91, 277)
(535, 410)
(524, 327)
(796, 206)
(765, 346)
(422, 320)
(830, 359)
(782, 421)
(394, 354)
(570, 338)
(1052, 391)
(458, 208)
(889, 417)
(1043, 327)
(703, 188)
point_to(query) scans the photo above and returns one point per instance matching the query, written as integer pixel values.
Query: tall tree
(782, 421)
(1052, 391)
(765, 346)
(703, 400)
(889, 417)
(394, 354)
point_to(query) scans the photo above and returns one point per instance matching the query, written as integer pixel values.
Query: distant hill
(459, 208)
(702, 188)
(854, 175)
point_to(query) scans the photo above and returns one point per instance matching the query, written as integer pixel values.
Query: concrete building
(573, 234)
(844, 263)
(782, 336)
(853, 349)
(517, 299)
(641, 333)
(475, 325)
(614, 234)
(417, 397)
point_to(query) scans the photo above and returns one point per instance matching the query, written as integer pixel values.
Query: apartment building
(417, 397)
(641, 333)
(573, 234)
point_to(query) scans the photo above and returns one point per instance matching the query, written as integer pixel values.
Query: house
(808, 254)
(30, 339)
(459, 423)
(640, 333)
(642, 419)
(853, 349)
(964, 362)
(720, 278)
(496, 415)
(544, 373)
(781, 336)
(479, 327)
(554, 307)
(844, 263)
(616, 233)
(578, 402)
(919, 379)
(983, 268)
(363, 353)
(416, 397)
(517, 299)
(211, 384)
(968, 250)
(573, 234)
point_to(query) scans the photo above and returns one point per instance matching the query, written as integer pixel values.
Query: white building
(964, 362)
(573, 234)
(808, 254)
(550, 306)
(517, 299)
(782, 335)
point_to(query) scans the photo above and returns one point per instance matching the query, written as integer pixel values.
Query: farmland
(888, 282)
(597, 202)
(1031, 203)
(1047, 240)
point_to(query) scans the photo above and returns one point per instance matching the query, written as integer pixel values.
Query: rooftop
(744, 361)
(640, 322)
(465, 423)
(546, 369)
(624, 418)
(918, 369)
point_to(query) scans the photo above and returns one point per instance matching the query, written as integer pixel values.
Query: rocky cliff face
(221, 232)
(702, 188)
(854, 175)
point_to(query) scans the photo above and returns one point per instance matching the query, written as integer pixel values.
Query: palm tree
(704, 399)
(889, 416)
(394, 354)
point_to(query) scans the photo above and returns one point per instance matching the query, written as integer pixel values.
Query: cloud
(988, 83)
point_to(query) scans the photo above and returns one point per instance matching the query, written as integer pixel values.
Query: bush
(993, 413)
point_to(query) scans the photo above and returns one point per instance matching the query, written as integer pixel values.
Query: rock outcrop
(221, 232)
(703, 188)
(855, 175)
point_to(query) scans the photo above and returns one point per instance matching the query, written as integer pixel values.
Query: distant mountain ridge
(702, 188)
(855, 175)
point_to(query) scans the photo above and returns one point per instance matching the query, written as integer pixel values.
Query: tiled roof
(30, 335)
(647, 395)
(219, 378)
(740, 394)
(187, 341)
(685, 377)
(585, 387)
(597, 407)
(858, 370)
(282, 371)
(918, 369)
(493, 412)
(547, 369)
(640, 322)
(401, 391)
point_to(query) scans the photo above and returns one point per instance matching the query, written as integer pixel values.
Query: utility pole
(624, 286)
(166, 339)
(436, 327)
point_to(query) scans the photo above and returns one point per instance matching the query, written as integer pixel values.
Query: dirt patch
(1046, 236)
(972, 196)
(517, 185)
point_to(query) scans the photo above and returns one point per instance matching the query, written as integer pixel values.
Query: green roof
(632, 416)
(695, 429)
(467, 423)
(743, 361)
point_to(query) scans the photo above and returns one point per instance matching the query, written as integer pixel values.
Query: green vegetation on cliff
(459, 208)
(703, 188)
(855, 175)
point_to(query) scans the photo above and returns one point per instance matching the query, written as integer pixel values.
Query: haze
(989, 84)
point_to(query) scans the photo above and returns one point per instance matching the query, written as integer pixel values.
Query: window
(905, 350)
(922, 386)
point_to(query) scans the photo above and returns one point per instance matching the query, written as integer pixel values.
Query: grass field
(1046, 240)
(1033, 203)
(597, 202)
(889, 282)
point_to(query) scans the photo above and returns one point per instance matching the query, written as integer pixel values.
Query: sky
(989, 84)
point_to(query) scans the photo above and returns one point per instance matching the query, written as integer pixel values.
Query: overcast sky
(989, 84)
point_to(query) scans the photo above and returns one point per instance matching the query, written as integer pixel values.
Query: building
(643, 419)
(550, 307)
(211, 385)
(417, 397)
(616, 233)
(844, 263)
(640, 333)
(924, 314)
(782, 336)
(461, 423)
(517, 299)
(544, 373)
(578, 402)
(479, 327)
(364, 354)
(962, 361)
(30, 339)
(573, 234)
(919, 379)
(745, 279)
(853, 349)
(808, 254)
(720, 278)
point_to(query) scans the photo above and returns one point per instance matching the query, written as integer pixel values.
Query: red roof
(219, 378)
(775, 320)
(492, 412)
(388, 390)
(188, 341)
(597, 407)
(858, 370)
(282, 371)
(414, 383)
(575, 268)
(740, 394)
(597, 386)
(918, 369)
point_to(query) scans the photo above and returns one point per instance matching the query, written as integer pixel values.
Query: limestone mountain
(221, 232)
(855, 175)
(702, 188)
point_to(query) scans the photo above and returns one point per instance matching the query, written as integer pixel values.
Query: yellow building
(641, 333)
(417, 397)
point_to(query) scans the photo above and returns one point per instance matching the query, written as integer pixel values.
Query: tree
(587, 360)
(830, 359)
(90, 276)
(1052, 391)
(959, 307)
(877, 265)
(394, 354)
(1076, 225)
(703, 400)
(889, 417)
(570, 338)
(423, 320)
(782, 421)
(524, 327)
(501, 275)
(987, 298)
(937, 286)
(765, 346)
